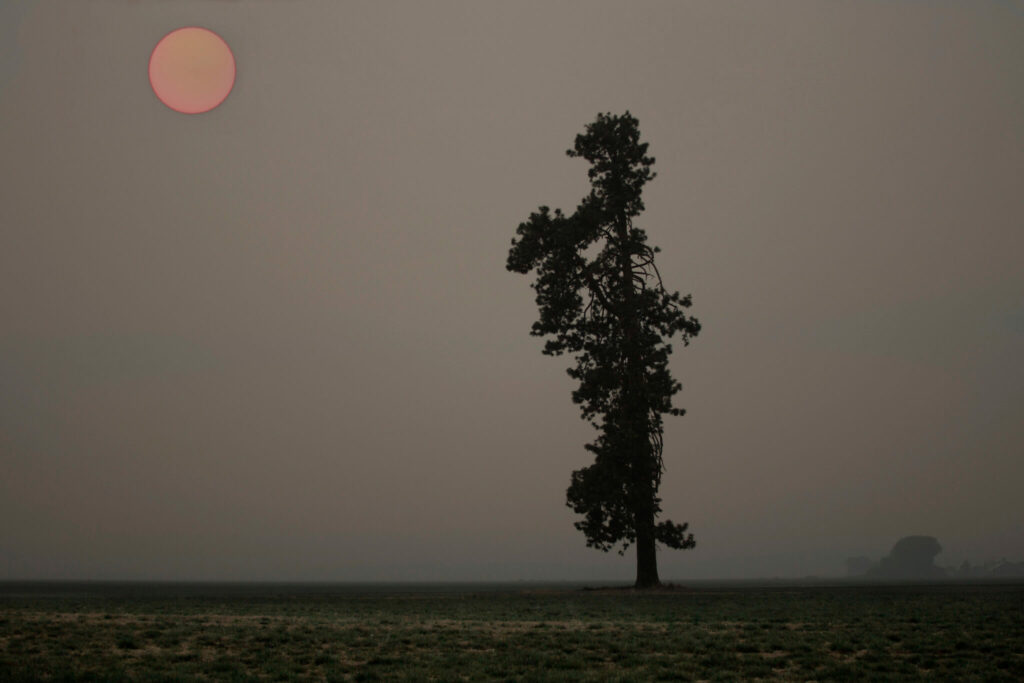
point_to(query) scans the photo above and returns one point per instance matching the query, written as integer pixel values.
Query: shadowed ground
(311, 632)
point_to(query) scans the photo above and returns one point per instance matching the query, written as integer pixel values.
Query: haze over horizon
(277, 341)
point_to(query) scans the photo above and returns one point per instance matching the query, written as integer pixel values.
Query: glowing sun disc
(192, 70)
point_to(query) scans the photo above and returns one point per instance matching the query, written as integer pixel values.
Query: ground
(477, 632)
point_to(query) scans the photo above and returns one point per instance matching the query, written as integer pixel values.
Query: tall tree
(601, 298)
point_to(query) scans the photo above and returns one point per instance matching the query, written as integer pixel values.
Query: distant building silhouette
(1007, 570)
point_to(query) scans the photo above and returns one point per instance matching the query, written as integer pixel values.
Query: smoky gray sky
(278, 340)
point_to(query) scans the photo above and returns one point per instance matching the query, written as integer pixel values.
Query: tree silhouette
(601, 298)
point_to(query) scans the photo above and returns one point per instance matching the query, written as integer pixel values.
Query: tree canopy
(601, 298)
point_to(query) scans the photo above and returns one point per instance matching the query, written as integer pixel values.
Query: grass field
(347, 632)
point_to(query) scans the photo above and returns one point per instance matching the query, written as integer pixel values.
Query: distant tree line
(913, 557)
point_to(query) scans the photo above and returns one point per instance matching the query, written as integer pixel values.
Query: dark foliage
(601, 298)
(913, 557)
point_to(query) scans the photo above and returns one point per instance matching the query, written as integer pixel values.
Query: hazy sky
(278, 340)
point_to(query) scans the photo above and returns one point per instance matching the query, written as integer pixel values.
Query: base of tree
(658, 588)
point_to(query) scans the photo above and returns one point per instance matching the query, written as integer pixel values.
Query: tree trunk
(636, 415)
(646, 554)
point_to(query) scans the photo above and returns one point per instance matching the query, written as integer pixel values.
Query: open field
(349, 632)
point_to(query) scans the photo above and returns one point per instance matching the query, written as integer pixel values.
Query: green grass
(725, 632)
